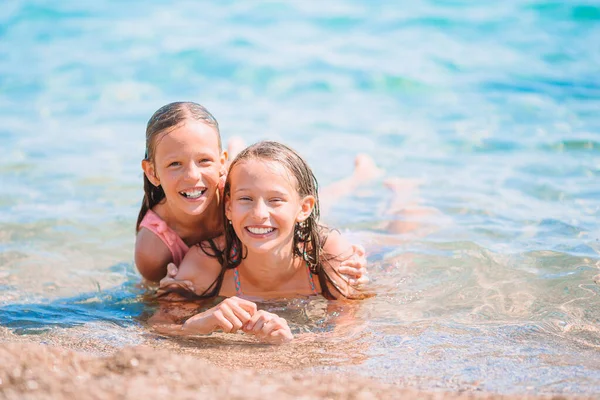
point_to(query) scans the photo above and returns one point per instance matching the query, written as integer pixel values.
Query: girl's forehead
(263, 169)
(190, 132)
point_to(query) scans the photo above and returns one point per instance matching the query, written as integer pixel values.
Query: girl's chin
(195, 211)
(265, 246)
(196, 206)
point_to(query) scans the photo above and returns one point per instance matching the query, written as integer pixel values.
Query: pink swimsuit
(176, 245)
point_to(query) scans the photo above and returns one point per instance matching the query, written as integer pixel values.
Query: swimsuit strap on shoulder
(238, 284)
(155, 224)
(310, 279)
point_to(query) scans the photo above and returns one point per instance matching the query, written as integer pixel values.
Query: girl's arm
(198, 268)
(194, 276)
(353, 264)
(354, 268)
(340, 257)
(151, 255)
(231, 315)
(228, 316)
(197, 273)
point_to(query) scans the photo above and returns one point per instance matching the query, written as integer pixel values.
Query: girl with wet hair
(183, 166)
(184, 172)
(273, 247)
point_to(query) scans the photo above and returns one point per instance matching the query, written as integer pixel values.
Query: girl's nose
(193, 172)
(260, 210)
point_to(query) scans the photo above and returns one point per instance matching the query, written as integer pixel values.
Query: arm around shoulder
(337, 250)
(200, 268)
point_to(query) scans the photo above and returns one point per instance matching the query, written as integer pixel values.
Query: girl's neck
(269, 271)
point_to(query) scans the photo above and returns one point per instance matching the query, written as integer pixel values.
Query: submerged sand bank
(32, 371)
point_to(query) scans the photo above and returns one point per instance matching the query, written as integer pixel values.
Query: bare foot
(365, 169)
(234, 146)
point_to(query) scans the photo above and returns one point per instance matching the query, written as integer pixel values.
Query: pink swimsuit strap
(176, 245)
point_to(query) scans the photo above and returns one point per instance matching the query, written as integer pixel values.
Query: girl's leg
(406, 213)
(365, 170)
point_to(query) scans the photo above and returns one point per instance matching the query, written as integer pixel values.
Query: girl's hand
(354, 269)
(269, 327)
(229, 316)
(169, 281)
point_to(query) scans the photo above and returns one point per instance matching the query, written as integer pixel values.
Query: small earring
(229, 221)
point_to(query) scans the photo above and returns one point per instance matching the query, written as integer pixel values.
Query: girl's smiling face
(187, 164)
(264, 205)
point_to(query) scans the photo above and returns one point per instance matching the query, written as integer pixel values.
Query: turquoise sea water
(491, 106)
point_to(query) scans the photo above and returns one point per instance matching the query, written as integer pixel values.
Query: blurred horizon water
(491, 107)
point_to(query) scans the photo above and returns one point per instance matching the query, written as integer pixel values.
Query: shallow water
(491, 107)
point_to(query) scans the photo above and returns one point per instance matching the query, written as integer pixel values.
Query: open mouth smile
(260, 230)
(193, 194)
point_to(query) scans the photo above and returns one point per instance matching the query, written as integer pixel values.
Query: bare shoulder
(201, 266)
(151, 255)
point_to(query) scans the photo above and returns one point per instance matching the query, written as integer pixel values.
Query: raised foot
(365, 169)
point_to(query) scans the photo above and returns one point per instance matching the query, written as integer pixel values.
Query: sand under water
(83, 369)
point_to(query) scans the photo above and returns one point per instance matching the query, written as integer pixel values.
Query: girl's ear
(306, 207)
(150, 173)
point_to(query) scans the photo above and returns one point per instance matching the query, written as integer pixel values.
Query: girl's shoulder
(202, 265)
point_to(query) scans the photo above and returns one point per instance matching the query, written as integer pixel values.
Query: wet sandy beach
(84, 370)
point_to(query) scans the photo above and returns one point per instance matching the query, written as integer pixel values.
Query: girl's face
(264, 206)
(187, 164)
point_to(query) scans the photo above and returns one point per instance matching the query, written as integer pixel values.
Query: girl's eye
(205, 161)
(277, 200)
(245, 198)
(175, 164)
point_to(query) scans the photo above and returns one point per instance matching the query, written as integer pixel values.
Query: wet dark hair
(309, 236)
(162, 121)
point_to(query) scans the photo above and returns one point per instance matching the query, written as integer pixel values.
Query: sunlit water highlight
(492, 107)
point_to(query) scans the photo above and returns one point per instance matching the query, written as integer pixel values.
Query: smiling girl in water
(273, 247)
(183, 169)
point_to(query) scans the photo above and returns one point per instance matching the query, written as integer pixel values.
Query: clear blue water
(492, 106)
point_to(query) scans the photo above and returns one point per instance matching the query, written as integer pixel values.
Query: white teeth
(193, 194)
(260, 231)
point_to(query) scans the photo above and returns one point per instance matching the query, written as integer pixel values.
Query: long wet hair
(309, 235)
(164, 120)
